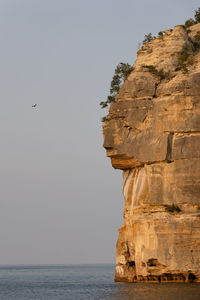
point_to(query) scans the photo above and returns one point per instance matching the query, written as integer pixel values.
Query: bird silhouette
(34, 105)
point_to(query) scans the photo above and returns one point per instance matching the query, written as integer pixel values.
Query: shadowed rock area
(152, 133)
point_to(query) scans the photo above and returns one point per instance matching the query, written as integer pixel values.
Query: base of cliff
(178, 277)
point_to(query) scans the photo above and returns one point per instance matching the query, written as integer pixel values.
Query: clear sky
(60, 199)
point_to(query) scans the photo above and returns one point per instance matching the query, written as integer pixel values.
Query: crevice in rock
(131, 263)
(169, 147)
(127, 247)
(155, 89)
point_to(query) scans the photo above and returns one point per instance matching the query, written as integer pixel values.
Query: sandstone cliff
(152, 133)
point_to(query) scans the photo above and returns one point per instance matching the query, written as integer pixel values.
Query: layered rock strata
(152, 133)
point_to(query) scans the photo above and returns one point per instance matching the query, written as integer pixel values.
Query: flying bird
(34, 105)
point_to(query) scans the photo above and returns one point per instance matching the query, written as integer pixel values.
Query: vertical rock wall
(152, 133)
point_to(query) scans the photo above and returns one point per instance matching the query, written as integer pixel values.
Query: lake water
(83, 282)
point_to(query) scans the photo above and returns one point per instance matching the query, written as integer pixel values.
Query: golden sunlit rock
(152, 133)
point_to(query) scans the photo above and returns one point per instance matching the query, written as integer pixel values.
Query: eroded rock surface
(152, 133)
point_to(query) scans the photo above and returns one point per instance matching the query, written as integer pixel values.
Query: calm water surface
(83, 282)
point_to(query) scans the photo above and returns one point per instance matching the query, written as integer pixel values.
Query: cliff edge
(152, 133)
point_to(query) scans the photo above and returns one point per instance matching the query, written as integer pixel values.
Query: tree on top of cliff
(121, 73)
(197, 15)
(194, 21)
(148, 38)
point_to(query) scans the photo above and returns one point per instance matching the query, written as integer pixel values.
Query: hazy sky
(60, 199)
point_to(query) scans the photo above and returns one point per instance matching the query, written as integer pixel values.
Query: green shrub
(183, 62)
(183, 57)
(196, 45)
(190, 61)
(194, 21)
(115, 84)
(197, 15)
(163, 75)
(152, 69)
(160, 33)
(103, 104)
(196, 42)
(189, 23)
(148, 38)
(103, 119)
(121, 73)
(172, 208)
(160, 73)
(123, 69)
(197, 37)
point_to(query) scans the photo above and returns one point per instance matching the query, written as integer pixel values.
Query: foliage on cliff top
(148, 38)
(121, 73)
(194, 21)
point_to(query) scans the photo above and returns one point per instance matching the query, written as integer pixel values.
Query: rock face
(152, 133)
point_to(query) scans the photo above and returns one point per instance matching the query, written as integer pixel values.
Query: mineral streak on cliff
(152, 133)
